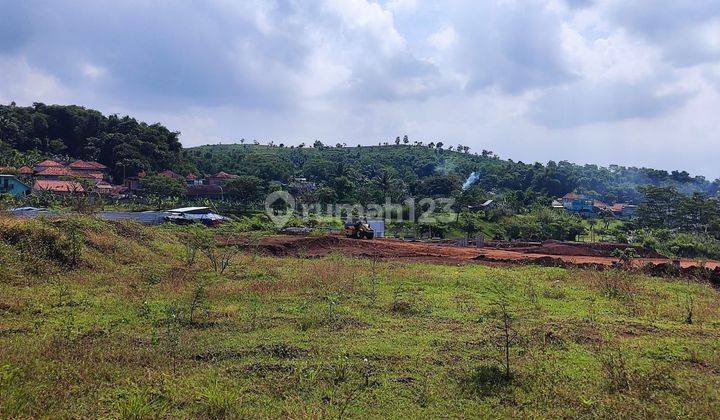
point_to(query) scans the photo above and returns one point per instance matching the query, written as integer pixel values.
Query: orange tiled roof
(598, 203)
(49, 164)
(55, 171)
(97, 165)
(573, 196)
(24, 170)
(89, 175)
(103, 187)
(83, 165)
(119, 189)
(618, 207)
(57, 186)
(170, 174)
(224, 175)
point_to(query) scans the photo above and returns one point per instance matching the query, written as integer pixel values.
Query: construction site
(598, 256)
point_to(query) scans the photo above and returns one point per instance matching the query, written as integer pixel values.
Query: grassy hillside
(107, 319)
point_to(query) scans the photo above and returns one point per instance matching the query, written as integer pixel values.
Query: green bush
(42, 241)
(543, 224)
(679, 245)
(685, 245)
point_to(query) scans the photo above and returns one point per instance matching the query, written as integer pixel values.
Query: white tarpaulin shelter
(194, 214)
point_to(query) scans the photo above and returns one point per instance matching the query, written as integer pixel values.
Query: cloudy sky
(601, 81)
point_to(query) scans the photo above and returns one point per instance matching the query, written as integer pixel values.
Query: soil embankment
(495, 254)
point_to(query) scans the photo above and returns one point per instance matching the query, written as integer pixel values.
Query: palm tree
(592, 223)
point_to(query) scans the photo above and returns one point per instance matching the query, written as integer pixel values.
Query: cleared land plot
(131, 330)
(318, 246)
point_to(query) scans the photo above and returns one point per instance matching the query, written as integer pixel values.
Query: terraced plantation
(101, 319)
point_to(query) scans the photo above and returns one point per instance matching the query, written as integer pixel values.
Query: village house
(89, 170)
(300, 186)
(103, 188)
(585, 206)
(12, 185)
(577, 203)
(53, 170)
(220, 178)
(192, 179)
(599, 206)
(623, 210)
(46, 164)
(134, 183)
(54, 173)
(172, 175)
(58, 187)
(213, 192)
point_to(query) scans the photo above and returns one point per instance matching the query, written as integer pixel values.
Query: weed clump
(484, 381)
(406, 301)
(621, 378)
(45, 245)
(615, 284)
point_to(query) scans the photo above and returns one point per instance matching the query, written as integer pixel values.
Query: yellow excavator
(359, 229)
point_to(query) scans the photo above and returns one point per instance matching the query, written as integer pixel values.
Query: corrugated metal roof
(187, 209)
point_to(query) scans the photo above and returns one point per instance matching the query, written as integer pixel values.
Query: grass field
(100, 319)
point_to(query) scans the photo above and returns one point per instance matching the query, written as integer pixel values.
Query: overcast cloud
(604, 81)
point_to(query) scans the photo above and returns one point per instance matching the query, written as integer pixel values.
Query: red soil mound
(549, 253)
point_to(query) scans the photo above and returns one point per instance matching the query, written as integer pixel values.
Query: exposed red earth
(547, 253)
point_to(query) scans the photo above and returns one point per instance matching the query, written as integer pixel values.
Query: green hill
(421, 170)
(360, 174)
(29, 134)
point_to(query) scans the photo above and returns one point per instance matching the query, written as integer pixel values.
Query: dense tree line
(121, 143)
(667, 208)
(412, 169)
(396, 169)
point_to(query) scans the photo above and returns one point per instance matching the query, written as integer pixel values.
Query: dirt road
(385, 248)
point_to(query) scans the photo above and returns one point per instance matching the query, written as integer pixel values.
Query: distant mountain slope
(77, 132)
(364, 174)
(423, 170)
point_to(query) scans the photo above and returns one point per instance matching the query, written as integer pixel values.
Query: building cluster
(588, 207)
(51, 176)
(56, 177)
(210, 187)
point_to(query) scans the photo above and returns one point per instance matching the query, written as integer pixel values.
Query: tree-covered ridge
(122, 143)
(366, 174)
(426, 170)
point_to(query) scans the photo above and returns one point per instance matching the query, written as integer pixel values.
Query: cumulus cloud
(513, 46)
(579, 3)
(147, 51)
(688, 32)
(587, 102)
(444, 38)
(515, 76)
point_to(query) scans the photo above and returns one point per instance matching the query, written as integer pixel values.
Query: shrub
(40, 241)
(614, 284)
(544, 224)
(484, 381)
